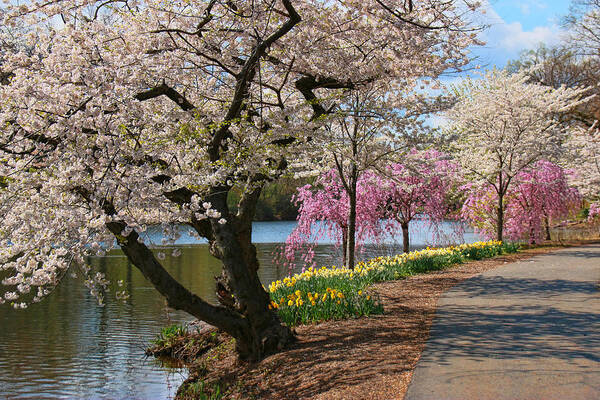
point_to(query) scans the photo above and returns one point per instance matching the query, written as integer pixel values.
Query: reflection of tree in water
(68, 346)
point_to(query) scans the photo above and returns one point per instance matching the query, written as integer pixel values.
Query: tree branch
(165, 90)
(178, 296)
(245, 77)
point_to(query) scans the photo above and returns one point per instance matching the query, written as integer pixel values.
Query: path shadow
(499, 285)
(513, 332)
(593, 251)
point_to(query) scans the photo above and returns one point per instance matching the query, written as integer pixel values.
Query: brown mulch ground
(366, 358)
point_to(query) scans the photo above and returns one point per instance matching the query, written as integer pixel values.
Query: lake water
(69, 347)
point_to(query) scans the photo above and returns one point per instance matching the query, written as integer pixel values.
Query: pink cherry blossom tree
(122, 115)
(418, 188)
(324, 210)
(479, 209)
(540, 194)
(397, 196)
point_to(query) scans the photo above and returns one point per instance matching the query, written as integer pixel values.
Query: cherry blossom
(584, 146)
(418, 188)
(324, 208)
(504, 125)
(539, 196)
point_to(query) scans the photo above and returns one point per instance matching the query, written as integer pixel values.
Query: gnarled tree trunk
(232, 244)
(244, 310)
(265, 333)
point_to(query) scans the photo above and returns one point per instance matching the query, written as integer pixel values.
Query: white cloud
(512, 36)
(504, 41)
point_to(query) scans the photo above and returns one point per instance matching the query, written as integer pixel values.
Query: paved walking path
(528, 330)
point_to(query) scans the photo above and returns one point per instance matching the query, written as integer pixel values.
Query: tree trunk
(547, 226)
(344, 245)
(233, 246)
(500, 221)
(405, 237)
(245, 314)
(352, 219)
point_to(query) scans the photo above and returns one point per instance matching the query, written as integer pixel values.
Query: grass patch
(169, 334)
(200, 390)
(176, 344)
(339, 293)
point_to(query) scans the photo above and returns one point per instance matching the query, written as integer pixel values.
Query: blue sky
(517, 25)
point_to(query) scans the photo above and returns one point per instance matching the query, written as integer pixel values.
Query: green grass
(168, 334)
(201, 391)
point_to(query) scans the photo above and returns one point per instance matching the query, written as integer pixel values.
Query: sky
(514, 26)
(517, 25)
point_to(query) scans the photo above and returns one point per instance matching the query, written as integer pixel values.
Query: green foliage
(275, 202)
(169, 334)
(583, 214)
(201, 391)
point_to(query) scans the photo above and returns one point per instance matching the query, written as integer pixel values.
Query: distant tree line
(275, 202)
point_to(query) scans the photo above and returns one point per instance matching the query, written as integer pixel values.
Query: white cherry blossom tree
(124, 114)
(505, 124)
(584, 146)
(367, 131)
(584, 143)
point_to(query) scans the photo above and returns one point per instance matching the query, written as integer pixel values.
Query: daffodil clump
(301, 307)
(337, 293)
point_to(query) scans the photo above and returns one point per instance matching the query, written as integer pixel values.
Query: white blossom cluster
(584, 146)
(505, 124)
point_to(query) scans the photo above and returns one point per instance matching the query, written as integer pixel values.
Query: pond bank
(366, 358)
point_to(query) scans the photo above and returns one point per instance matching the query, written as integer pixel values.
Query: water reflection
(68, 347)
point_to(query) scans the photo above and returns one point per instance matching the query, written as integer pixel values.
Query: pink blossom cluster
(419, 187)
(323, 213)
(385, 202)
(594, 211)
(538, 196)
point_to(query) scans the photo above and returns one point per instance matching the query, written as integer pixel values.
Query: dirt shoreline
(365, 358)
